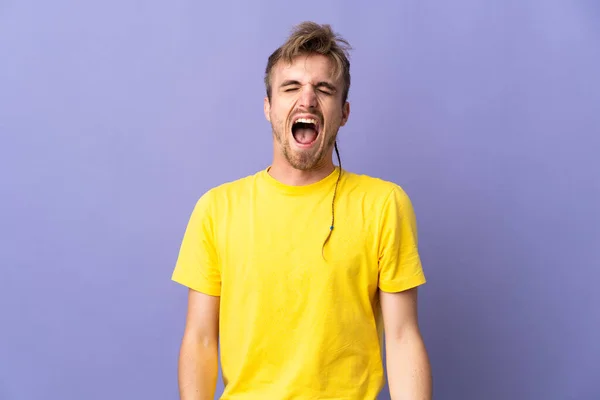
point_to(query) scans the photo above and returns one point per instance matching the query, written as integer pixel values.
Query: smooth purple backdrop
(115, 116)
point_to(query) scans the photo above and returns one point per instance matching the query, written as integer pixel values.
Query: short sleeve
(197, 264)
(399, 260)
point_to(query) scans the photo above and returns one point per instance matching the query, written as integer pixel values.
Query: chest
(286, 246)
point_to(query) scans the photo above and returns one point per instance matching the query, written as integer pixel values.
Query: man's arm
(198, 359)
(408, 368)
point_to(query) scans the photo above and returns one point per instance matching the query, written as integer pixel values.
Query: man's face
(305, 110)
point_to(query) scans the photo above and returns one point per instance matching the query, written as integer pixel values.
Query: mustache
(298, 112)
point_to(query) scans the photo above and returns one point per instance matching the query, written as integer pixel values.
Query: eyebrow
(320, 84)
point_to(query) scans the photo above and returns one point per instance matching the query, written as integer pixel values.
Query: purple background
(115, 116)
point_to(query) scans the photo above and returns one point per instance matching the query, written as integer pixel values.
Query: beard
(304, 159)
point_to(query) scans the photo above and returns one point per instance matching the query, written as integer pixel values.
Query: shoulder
(377, 198)
(374, 187)
(226, 192)
(385, 202)
(235, 186)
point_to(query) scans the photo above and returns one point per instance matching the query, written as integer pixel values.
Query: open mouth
(305, 130)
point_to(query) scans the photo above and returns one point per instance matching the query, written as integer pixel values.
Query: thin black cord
(337, 153)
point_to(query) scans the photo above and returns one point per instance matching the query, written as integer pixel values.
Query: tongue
(305, 135)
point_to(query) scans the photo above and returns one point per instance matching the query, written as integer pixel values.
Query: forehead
(306, 69)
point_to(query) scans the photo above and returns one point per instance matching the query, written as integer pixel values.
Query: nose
(308, 97)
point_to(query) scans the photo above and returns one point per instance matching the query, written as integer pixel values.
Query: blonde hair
(312, 38)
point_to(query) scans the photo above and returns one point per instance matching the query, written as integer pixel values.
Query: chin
(302, 159)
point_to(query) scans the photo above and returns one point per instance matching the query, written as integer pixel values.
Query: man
(299, 269)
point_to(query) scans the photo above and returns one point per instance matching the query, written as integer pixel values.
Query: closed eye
(290, 85)
(324, 91)
(326, 87)
(323, 87)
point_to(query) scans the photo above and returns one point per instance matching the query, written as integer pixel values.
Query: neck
(288, 175)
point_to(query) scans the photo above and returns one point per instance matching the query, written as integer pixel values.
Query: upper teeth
(307, 120)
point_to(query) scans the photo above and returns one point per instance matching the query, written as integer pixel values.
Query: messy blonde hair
(312, 38)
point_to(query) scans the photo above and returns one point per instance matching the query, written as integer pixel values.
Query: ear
(267, 109)
(345, 113)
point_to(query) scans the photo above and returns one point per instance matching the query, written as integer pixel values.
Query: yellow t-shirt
(299, 320)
